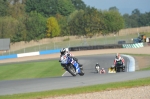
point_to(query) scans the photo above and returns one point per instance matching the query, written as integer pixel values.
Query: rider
(65, 51)
(102, 71)
(119, 58)
(97, 64)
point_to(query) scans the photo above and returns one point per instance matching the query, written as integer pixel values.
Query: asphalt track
(68, 81)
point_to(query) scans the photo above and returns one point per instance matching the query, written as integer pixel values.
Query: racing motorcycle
(97, 68)
(119, 66)
(69, 64)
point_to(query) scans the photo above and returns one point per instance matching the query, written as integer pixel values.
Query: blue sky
(124, 6)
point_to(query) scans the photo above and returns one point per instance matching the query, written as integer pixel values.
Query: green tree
(79, 4)
(3, 7)
(8, 27)
(53, 28)
(62, 21)
(144, 19)
(65, 7)
(93, 21)
(16, 10)
(50, 7)
(20, 34)
(113, 22)
(114, 9)
(75, 23)
(36, 26)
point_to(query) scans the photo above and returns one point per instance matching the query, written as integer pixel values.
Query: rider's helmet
(117, 56)
(97, 64)
(67, 50)
(102, 68)
(63, 51)
(112, 66)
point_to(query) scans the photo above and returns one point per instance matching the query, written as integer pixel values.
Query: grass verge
(80, 90)
(50, 68)
(147, 56)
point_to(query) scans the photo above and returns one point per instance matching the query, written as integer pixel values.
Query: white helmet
(97, 64)
(63, 51)
(117, 55)
(102, 68)
(67, 50)
(112, 66)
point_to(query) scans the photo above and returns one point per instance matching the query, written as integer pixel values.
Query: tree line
(28, 20)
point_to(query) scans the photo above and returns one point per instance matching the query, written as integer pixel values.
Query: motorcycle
(97, 68)
(119, 66)
(69, 64)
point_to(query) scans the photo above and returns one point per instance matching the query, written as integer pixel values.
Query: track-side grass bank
(81, 90)
(29, 70)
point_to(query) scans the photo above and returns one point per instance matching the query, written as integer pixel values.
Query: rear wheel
(82, 72)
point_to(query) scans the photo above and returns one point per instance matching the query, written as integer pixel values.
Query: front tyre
(71, 70)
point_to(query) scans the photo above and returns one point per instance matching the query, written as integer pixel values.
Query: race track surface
(68, 81)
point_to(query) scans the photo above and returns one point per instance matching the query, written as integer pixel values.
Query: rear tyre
(82, 72)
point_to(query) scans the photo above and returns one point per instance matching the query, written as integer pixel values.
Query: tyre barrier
(135, 45)
(79, 48)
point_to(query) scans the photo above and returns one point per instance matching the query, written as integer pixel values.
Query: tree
(8, 27)
(62, 21)
(53, 28)
(79, 4)
(50, 7)
(113, 22)
(3, 7)
(16, 10)
(65, 7)
(21, 33)
(114, 9)
(85, 22)
(36, 26)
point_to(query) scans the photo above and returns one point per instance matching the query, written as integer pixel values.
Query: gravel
(142, 92)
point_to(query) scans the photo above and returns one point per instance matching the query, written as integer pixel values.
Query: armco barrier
(29, 54)
(79, 48)
(134, 45)
(130, 64)
(8, 56)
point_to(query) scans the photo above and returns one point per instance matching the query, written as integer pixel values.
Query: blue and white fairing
(66, 59)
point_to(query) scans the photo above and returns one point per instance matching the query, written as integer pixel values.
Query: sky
(124, 6)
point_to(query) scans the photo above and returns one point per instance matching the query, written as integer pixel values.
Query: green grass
(31, 70)
(80, 90)
(147, 68)
(137, 54)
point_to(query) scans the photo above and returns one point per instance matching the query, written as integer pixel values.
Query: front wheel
(71, 69)
(97, 68)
